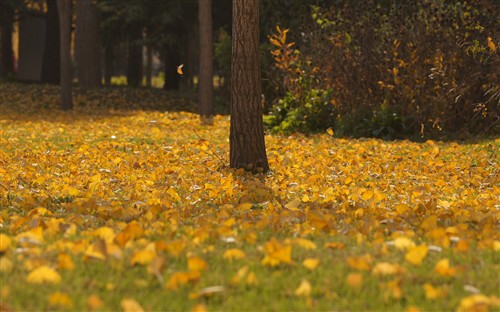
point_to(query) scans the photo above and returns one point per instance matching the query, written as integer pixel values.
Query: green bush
(391, 69)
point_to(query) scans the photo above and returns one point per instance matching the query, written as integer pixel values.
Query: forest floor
(118, 208)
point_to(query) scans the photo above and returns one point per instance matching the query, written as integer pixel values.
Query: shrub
(391, 68)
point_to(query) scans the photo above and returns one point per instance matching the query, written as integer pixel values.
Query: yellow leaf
(130, 305)
(179, 279)
(94, 303)
(251, 279)
(196, 264)
(59, 299)
(334, 245)
(311, 263)
(240, 275)
(174, 194)
(42, 275)
(329, 131)
(64, 262)
(200, 307)
(432, 293)
(106, 233)
(232, 254)
(143, 257)
(305, 198)
(430, 223)
(276, 253)
(179, 69)
(385, 268)
(5, 265)
(33, 236)
(416, 254)
(492, 45)
(304, 243)
(354, 280)
(72, 191)
(156, 266)
(5, 242)
(401, 208)
(367, 195)
(474, 303)
(293, 205)
(362, 263)
(133, 231)
(403, 243)
(443, 268)
(97, 250)
(304, 289)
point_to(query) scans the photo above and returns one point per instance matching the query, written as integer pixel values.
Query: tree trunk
(7, 65)
(149, 65)
(172, 80)
(87, 45)
(64, 8)
(108, 63)
(51, 72)
(205, 91)
(247, 145)
(134, 65)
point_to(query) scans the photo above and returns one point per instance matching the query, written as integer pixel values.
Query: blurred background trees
(383, 68)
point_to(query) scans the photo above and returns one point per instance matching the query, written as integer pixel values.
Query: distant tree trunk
(87, 45)
(247, 146)
(134, 62)
(171, 62)
(7, 65)
(149, 65)
(205, 91)
(64, 8)
(108, 63)
(51, 72)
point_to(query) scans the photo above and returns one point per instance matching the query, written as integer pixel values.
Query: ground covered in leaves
(113, 208)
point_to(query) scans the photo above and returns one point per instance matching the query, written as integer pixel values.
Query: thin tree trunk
(171, 61)
(108, 63)
(149, 65)
(134, 65)
(64, 8)
(7, 65)
(247, 145)
(87, 45)
(51, 72)
(205, 91)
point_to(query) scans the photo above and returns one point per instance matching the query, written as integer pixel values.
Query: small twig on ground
(209, 147)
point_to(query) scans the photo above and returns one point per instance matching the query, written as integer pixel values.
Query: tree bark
(205, 91)
(7, 65)
(108, 63)
(149, 65)
(87, 45)
(65, 14)
(247, 145)
(134, 65)
(171, 61)
(51, 72)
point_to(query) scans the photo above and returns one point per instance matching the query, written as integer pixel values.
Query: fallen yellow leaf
(304, 289)
(62, 300)
(232, 254)
(44, 274)
(416, 254)
(130, 305)
(5, 242)
(311, 263)
(354, 280)
(143, 257)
